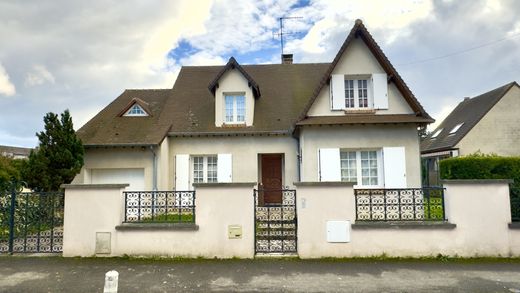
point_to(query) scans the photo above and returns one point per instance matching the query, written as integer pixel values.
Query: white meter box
(338, 231)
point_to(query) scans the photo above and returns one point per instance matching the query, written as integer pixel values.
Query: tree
(59, 156)
(9, 169)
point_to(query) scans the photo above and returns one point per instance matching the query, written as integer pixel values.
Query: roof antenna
(282, 33)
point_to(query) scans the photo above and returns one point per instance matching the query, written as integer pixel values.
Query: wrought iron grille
(412, 204)
(159, 206)
(31, 222)
(276, 223)
(514, 196)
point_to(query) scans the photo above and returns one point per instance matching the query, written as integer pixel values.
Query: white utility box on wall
(338, 231)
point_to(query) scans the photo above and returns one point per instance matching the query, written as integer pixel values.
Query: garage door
(134, 177)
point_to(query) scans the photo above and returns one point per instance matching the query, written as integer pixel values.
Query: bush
(480, 166)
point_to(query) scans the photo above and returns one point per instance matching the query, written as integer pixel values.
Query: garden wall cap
(228, 184)
(323, 183)
(94, 186)
(476, 181)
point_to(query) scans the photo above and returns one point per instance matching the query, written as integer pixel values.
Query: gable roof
(469, 112)
(359, 30)
(233, 64)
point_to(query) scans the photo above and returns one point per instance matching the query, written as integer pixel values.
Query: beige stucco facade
(117, 158)
(369, 137)
(245, 151)
(233, 82)
(498, 131)
(359, 61)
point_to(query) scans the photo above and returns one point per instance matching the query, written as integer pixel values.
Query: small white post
(111, 279)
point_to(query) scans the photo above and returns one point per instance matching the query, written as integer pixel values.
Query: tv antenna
(282, 33)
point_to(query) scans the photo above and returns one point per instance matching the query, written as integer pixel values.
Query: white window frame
(359, 175)
(131, 110)
(205, 168)
(235, 108)
(356, 80)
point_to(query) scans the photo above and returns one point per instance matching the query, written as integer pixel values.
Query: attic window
(456, 128)
(436, 133)
(136, 110)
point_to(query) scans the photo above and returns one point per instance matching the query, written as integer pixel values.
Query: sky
(80, 55)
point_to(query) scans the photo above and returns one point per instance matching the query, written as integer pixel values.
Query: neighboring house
(487, 123)
(15, 152)
(350, 120)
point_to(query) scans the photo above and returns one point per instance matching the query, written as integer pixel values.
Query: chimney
(466, 99)
(287, 58)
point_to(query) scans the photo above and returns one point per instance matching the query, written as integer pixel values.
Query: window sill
(157, 227)
(423, 225)
(234, 125)
(360, 111)
(514, 226)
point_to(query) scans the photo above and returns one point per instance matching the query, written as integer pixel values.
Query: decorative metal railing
(410, 204)
(159, 206)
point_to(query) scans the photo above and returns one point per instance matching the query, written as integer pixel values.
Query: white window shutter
(338, 91)
(394, 164)
(329, 164)
(182, 172)
(380, 90)
(224, 168)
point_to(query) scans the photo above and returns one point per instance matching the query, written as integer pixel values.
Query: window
(356, 93)
(362, 167)
(136, 110)
(456, 128)
(235, 108)
(204, 169)
(436, 133)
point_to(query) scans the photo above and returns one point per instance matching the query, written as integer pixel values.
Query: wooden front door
(272, 178)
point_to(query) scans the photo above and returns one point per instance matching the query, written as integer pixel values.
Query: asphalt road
(55, 274)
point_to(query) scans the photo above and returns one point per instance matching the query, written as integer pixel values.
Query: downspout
(154, 169)
(299, 158)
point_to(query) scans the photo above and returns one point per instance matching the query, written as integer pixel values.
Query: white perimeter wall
(480, 211)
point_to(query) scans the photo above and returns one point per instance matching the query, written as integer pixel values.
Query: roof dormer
(136, 108)
(235, 92)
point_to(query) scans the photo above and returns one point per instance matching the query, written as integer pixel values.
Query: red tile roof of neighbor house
(469, 112)
(287, 93)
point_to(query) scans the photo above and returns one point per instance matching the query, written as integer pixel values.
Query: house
(487, 123)
(353, 120)
(15, 152)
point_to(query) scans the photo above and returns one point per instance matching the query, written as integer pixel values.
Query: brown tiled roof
(109, 128)
(288, 91)
(359, 30)
(364, 119)
(469, 112)
(285, 90)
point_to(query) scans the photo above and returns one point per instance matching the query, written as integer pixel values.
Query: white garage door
(134, 177)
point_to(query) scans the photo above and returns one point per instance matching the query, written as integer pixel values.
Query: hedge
(479, 166)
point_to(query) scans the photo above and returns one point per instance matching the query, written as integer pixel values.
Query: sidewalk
(56, 274)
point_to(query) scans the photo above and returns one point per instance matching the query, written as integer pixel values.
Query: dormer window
(235, 108)
(136, 110)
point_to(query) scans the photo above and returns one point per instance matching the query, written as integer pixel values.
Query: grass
(169, 218)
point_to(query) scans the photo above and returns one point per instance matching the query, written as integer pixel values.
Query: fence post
(11, 216)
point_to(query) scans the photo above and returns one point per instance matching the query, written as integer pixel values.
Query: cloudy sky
(80, 55)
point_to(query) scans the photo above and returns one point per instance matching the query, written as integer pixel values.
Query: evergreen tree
(59, 156)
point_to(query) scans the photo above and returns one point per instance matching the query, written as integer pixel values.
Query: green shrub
(480, 166)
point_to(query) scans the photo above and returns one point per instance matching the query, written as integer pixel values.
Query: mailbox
(234, 231)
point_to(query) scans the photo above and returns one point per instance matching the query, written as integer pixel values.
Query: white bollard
(111, 279)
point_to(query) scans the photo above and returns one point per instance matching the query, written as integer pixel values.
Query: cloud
(6, 87)
(38, 76)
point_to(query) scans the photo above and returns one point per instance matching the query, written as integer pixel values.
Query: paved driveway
(55, 274)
